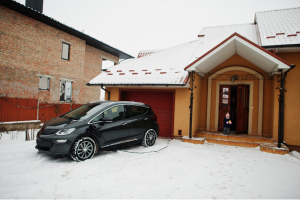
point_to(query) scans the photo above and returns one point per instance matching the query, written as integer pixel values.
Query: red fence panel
(10, 112)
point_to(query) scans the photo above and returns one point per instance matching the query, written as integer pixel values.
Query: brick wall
(29, 48)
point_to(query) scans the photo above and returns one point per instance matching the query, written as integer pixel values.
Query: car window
(84, 112)
(115, 113)
(134, 111)
(98, 118)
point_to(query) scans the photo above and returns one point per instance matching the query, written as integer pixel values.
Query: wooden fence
(14, 109)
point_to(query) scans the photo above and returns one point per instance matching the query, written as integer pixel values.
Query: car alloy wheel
(149, 138)
(83, 149)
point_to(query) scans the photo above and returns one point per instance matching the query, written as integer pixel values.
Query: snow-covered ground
(182, 170)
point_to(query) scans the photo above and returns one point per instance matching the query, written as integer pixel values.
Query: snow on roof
(279, 27)
(212, 36)
(146, 52)
(164, 67)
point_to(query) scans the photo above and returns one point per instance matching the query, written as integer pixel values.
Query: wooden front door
(224, 104)
(242, 109)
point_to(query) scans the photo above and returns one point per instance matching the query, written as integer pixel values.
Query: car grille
(45, 145)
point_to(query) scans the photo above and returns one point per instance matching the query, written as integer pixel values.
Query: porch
(266, 144)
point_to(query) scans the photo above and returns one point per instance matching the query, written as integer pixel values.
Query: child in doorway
(227, 123)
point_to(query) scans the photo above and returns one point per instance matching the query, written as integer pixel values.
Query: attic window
(270, 37)
(280, 33)
(200, 35)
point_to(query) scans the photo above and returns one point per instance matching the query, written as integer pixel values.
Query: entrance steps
(266, 144)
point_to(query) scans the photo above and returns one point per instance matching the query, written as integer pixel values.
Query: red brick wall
(29, 48)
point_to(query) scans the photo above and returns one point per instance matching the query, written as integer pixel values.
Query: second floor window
(65, 91)
(65, 53)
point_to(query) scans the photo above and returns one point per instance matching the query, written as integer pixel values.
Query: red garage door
(160, 102)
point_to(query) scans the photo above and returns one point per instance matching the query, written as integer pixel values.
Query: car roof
(119, 102)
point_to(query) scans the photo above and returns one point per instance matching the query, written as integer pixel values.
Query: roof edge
(238, 35)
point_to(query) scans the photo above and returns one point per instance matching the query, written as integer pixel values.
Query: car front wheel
(149, 138)
(84, 148)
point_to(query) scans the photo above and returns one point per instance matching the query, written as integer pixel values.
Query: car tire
(84, 148)
(149, 138)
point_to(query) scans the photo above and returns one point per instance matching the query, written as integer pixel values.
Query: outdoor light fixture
(234, 77)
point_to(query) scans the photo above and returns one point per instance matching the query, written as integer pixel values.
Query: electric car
(98, 126)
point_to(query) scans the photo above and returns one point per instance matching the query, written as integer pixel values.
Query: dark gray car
(96, 126)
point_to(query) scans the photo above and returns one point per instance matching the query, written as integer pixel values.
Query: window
(65, 54)
(44, 83)
(65, 91)
(134, 111)
(115, 114)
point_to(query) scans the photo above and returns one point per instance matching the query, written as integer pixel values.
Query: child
(227, 123)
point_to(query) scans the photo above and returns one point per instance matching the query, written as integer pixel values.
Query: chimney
(35, 5)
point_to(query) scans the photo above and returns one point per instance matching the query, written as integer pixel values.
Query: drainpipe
(281, 106)
(191, 104)
(108, 92)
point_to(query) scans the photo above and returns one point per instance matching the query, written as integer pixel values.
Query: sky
(135, 25)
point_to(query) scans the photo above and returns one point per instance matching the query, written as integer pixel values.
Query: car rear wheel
(84, 148)
(149, 138)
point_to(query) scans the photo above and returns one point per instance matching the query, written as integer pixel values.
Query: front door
(234, 99)
(242, 109)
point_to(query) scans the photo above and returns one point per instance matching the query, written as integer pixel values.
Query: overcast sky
(135, 25)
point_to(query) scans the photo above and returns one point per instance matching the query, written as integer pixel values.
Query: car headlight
(65, 131)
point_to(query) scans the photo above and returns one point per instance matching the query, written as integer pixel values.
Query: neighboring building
(235, 70)
(44, 59)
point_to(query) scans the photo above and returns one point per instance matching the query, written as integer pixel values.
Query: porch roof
(237, 44)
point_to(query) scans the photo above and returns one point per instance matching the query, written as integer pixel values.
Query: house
(47, 61)
(235, 68)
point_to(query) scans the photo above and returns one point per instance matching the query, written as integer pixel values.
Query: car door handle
(124, 123)
(146, 119)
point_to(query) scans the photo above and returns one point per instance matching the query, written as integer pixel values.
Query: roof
(56, 24)
(160, 68)
(237, 44)
(279, 27)
(146, 52)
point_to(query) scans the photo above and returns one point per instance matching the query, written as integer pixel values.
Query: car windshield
(84, 111)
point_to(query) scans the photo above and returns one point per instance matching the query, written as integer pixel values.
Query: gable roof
(279, 27)
(56, 24)
(237, 44)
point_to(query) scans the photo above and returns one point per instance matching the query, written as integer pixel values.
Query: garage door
(160, 102)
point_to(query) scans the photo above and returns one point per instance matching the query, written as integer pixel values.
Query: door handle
(145, 118)
(124, 123)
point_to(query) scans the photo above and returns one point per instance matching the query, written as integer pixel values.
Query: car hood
(59, 123)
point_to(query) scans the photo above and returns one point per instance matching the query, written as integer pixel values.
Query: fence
(14, 109)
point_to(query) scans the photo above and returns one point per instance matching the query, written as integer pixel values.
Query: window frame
(48, 83)
(62, 49)
(65, 91)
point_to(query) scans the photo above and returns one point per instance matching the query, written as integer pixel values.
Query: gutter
(108, 92)
(137, 84)
(281, 46)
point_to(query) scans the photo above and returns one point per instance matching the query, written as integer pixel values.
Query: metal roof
(165, 67)
(279, 27)
(56, 24)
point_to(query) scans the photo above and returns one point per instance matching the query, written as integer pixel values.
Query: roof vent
(144, 70)
(134, 73)
(119, 71)
(270, 37)
(110, 74)
(163, 72)
(131, 70)
(157, 69)
(292, 35)
(201, 35)
(107, 71)
(122, 74)
(280, 33)
(147, 72)
(298, 32)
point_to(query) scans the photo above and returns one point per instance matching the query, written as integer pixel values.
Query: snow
(182, 170)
